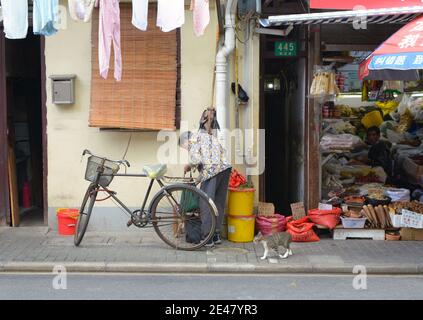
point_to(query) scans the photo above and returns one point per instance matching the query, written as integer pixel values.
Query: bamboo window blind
(148, 97)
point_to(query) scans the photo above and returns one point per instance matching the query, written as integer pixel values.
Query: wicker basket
(110, 169)
(266, 209)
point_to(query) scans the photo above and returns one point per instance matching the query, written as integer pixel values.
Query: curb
(210, 268)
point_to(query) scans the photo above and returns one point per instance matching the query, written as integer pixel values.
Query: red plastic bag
(236, 179)
(270, 225)
(301, 230)
(327, 218)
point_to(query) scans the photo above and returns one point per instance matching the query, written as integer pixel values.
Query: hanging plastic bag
(324, 82)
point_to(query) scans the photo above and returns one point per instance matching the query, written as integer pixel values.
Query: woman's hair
(184, 137)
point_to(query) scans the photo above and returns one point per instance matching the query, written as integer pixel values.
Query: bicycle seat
(155, 171)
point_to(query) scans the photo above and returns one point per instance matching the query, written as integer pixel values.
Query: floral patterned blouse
(207, 154)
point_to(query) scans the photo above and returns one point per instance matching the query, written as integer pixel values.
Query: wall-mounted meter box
(63, 88)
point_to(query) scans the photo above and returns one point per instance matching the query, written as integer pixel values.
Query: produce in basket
(414, 206)
(354, 200)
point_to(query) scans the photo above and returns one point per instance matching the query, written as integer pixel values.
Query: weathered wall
(69, 52)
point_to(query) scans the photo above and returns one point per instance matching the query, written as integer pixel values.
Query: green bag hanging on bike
(190, 202)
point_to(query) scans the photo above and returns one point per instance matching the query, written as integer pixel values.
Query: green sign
(285, 49)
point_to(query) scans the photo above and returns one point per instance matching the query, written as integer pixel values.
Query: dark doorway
(23, 87)
(282, 116)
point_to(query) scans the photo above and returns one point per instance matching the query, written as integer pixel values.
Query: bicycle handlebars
(124, 162)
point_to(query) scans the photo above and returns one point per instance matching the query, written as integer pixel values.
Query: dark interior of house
(23, 78)
(280, 87)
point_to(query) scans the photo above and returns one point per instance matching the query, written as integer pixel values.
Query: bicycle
(167, 212)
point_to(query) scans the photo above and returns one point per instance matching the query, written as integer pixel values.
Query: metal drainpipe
(222, 70)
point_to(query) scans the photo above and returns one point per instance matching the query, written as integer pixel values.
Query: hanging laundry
(45, 17)
(15, 16)
(170, 14)
(201, 16)
(140, 14)
(108, 34)
(81, 10)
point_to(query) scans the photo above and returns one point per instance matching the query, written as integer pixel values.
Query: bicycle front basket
(110, 169)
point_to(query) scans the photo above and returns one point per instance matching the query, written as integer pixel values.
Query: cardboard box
(413, 170)
(410, 234)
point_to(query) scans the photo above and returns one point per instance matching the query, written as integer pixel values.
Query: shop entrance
(282, 116)
(22, 131)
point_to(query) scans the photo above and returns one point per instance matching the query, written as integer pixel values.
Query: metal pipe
(222, 69)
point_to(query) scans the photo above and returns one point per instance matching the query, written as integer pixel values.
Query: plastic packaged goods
(324, 82)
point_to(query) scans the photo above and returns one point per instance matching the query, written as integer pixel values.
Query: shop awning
(401, 53)
(373, 16)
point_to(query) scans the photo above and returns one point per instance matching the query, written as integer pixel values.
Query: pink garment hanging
(201, 16)
(108, 34)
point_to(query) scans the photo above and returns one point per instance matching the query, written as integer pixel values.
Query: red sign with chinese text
(402, 51)
(368, 4)
(407, 39)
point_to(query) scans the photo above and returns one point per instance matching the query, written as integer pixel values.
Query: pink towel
(108, 34)
(201, 16)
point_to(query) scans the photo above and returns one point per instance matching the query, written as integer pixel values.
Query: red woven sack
(308, 236)
(301, 230)
(327, 218)
(270, 225)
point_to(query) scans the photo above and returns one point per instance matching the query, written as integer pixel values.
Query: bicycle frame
(112, 194)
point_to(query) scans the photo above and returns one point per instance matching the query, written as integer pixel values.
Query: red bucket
(66, 221)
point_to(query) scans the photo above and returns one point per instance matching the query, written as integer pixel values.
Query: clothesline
(46, 15)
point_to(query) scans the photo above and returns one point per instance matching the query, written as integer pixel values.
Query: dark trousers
(217, 190)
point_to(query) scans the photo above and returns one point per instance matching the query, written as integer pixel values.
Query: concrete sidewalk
(39, 250)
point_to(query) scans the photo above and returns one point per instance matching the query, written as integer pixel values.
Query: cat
(274, 242)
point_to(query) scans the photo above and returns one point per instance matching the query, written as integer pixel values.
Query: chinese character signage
(285, 49)
(402, 51)
(368, 4)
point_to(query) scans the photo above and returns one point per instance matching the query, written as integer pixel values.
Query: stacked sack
(268, 222)
(301, 230)
(327, 218)
(271, 225)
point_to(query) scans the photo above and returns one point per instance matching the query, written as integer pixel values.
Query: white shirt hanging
(170, 14)
(81, 10)
(140, 14)
(15, 18)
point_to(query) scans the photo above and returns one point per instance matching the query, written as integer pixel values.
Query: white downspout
(222, 89)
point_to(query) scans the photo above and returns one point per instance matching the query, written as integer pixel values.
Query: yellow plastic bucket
(241, 202)
(372, 119)
(241, 228)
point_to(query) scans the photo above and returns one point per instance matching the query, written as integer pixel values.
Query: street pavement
(39, 250)
(208, 287)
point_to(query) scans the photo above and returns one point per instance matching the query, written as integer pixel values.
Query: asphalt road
(204, 287)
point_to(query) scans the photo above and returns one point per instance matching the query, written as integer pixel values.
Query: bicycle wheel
(183, 228)
(85, 213)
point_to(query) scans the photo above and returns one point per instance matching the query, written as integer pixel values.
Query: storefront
(339, 162)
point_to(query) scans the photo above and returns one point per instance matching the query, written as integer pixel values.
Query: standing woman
(208, 156)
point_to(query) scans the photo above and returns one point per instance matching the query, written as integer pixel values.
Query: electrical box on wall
(63, 89)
